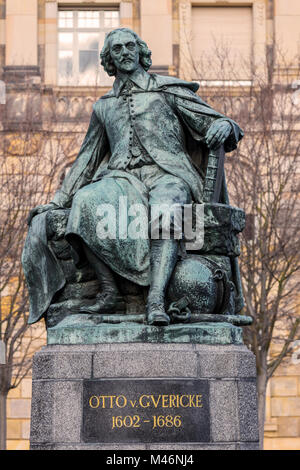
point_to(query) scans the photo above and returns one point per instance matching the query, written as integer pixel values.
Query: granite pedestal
(177, 395)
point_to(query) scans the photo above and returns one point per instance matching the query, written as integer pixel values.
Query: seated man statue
(135, 150)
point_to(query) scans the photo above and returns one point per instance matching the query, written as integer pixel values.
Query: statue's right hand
(38, 210)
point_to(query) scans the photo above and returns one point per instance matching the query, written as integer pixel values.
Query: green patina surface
(80, 329)
(154, 142)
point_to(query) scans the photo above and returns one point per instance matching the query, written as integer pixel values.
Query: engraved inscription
(151, 410)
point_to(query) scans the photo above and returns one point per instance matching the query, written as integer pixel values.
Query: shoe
(157, 316)
(106, 302)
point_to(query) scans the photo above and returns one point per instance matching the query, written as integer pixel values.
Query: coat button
(136, 151)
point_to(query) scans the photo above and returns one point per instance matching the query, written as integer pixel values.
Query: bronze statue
(148, 142)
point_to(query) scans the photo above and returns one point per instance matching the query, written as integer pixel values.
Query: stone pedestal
(211, 389)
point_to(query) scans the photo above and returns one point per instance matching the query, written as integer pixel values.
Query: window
(222, 42)
(81, 35)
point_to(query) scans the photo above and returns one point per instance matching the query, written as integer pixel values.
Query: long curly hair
(106, 60)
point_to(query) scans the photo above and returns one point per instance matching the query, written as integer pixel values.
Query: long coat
(165, 116)
(168, 118)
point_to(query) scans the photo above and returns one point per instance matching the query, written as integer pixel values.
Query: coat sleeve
(198, 116)
(92, 152)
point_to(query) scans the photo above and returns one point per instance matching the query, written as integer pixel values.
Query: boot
(109, 299)
(163, 258)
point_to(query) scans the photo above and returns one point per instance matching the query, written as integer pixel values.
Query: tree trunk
(262, 381)
(3, 400)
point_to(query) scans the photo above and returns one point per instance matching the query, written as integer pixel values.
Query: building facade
(49, 57)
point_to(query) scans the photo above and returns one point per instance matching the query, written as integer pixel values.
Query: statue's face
(124, 52)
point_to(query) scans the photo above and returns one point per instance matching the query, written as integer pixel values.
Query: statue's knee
(81, 197)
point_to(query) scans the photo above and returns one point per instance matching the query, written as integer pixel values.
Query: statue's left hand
(217, 134)
(39, 209)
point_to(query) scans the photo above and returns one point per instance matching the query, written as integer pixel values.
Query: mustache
(128, 58)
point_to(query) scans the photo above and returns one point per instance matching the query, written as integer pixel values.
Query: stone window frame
(51, 35)
(76, 29)
(259, 28)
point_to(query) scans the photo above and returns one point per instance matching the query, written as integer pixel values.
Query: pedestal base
(92, 329)
(144, 396)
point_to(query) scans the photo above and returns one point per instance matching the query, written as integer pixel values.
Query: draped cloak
(171, 122)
